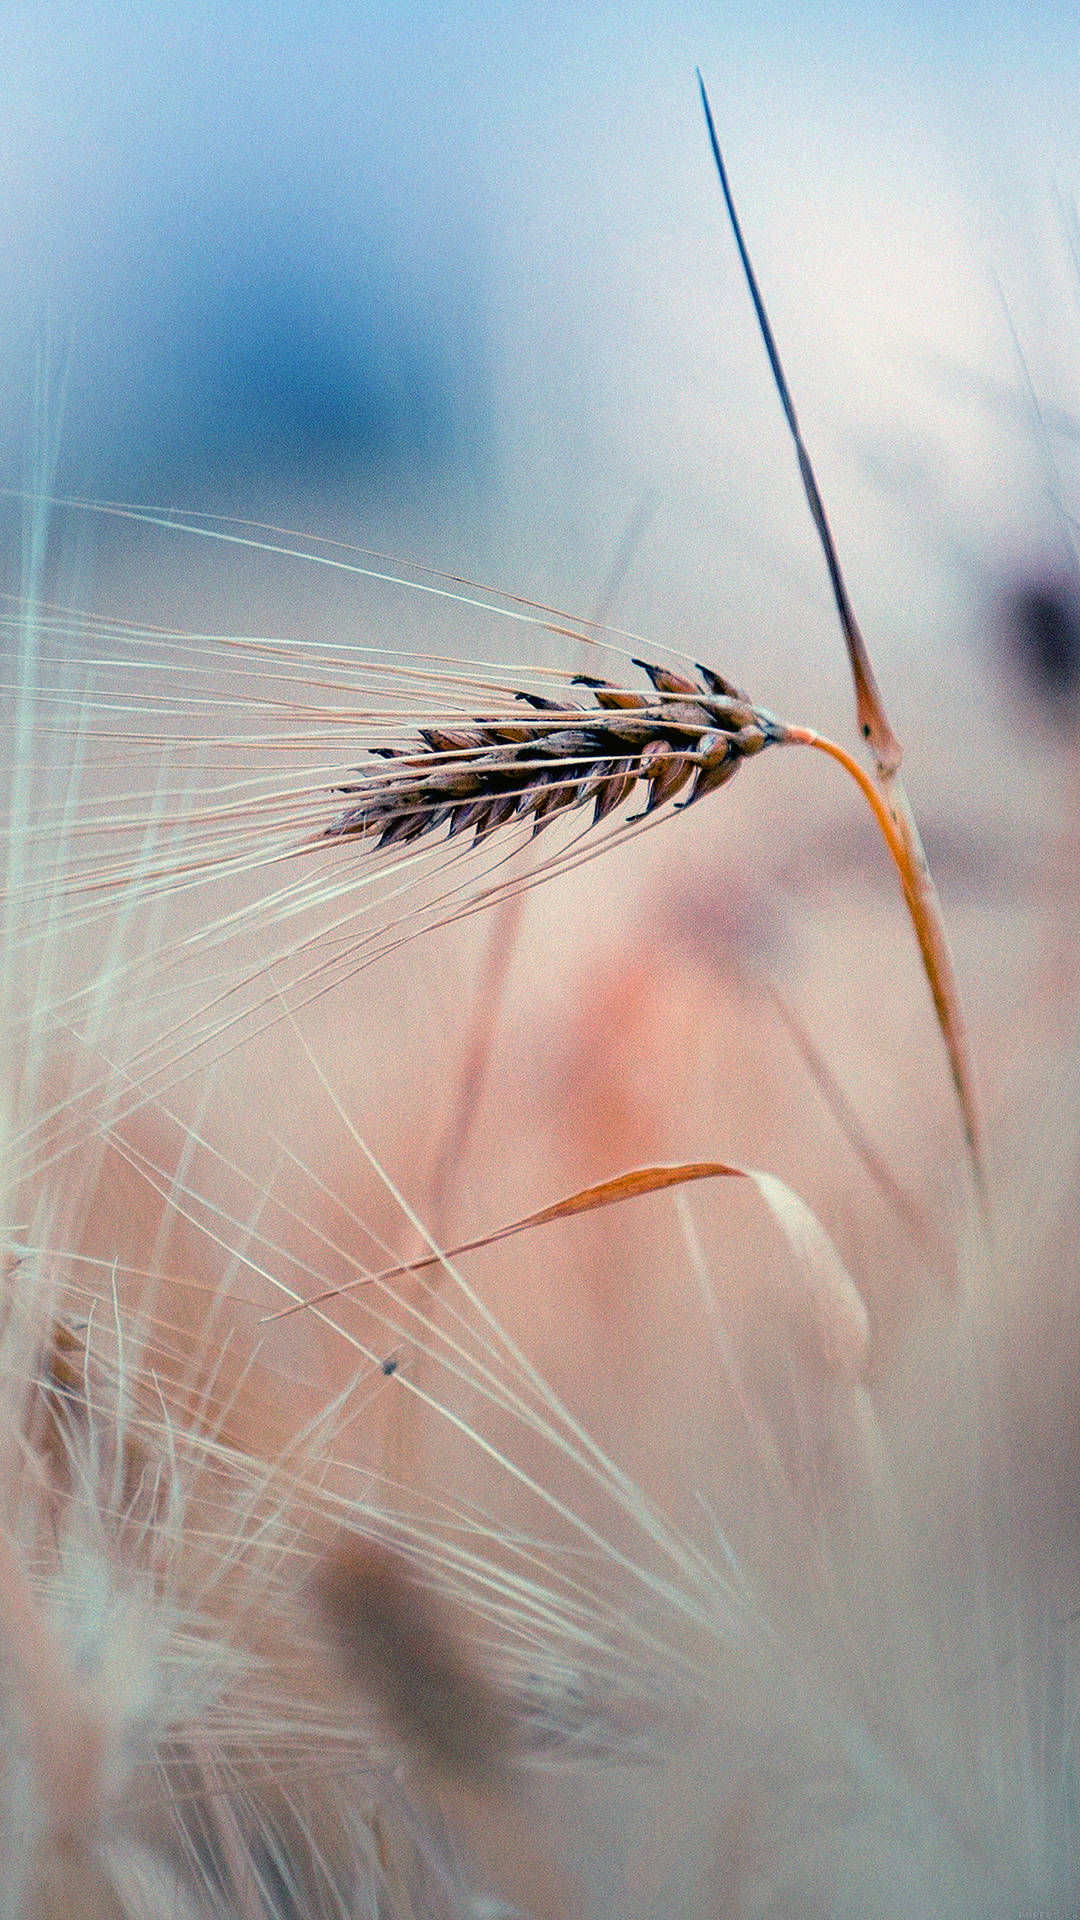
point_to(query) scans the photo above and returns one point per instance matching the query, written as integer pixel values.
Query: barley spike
(481, 776)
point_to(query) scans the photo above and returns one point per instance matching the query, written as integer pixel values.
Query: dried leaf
(839, 1315)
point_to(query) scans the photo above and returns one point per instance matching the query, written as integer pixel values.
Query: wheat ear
(687, 738)
(559, 756)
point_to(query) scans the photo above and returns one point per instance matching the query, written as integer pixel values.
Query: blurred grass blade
(873, 722)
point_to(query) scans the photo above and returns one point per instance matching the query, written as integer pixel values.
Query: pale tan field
(759, 1573)
(710, 1554)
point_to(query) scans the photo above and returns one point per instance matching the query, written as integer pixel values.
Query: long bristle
(474, 1443)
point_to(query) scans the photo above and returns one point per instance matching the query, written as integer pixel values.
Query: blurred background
(457, 286)
(456, 282)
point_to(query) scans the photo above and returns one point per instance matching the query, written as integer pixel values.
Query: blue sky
(462, 279)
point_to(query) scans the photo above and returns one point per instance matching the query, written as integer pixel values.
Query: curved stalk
(925, 914)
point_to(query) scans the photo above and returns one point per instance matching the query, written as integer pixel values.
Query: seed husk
(485, 775)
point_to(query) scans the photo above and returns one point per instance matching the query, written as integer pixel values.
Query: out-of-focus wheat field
(457, 291)
(461, 292)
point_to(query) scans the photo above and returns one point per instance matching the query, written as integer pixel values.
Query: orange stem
(806, 737)
(926, 920)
